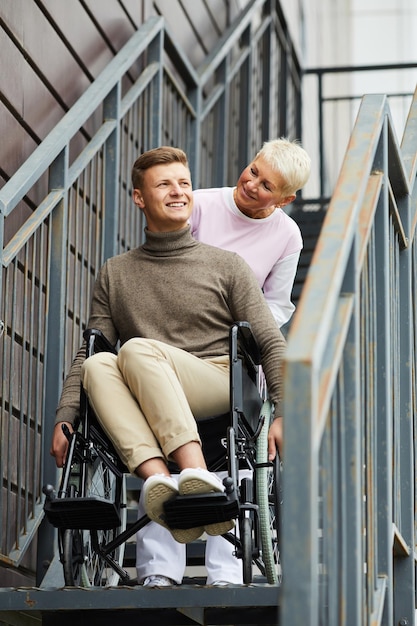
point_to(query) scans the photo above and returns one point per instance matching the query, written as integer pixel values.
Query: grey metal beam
(182, 597)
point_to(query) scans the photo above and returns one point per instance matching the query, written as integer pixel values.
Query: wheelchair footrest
(200, 510)
(93, 513)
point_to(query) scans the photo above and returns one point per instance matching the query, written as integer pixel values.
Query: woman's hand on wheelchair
(275, 439)
(59, 445)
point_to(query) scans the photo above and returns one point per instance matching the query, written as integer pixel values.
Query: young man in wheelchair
(170, 303)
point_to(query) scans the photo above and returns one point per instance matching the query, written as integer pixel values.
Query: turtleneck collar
(166, 243)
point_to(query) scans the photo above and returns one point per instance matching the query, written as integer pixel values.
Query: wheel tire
(72, 556)
(246, 543)
(268, 501)
(83, 566)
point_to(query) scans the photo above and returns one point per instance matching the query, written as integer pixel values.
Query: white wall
(355, 33)
(385, 32)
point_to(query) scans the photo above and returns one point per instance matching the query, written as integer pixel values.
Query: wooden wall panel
(51, 51)
(16, 144)
(60, 70)
(117, 20)
(96, 32)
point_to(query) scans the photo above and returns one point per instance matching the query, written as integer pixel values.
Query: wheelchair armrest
(241, 333)
(242, 343)
(97, 342)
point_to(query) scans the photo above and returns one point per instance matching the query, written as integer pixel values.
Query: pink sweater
(271, 246)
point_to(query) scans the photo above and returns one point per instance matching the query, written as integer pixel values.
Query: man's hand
(275, 438)
(59, 445)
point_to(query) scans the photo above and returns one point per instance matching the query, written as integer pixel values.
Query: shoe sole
(220, 528)
(186, 535)
(155, 497)
(196, 486)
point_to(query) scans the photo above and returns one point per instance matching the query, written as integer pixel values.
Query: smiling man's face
(166, 197)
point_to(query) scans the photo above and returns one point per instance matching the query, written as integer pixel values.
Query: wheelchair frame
(89, 509)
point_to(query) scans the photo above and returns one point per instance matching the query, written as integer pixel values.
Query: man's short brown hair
(156, 156)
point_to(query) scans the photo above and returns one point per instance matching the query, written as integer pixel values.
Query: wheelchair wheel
(246, 543)
(83, 564)
(268, 501)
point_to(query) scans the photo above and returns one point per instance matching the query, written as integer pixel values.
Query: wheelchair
(89, 509)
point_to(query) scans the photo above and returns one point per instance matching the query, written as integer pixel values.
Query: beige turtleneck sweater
(185, 293)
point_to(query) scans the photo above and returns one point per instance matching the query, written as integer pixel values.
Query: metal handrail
(348, 517)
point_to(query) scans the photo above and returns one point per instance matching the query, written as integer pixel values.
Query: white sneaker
(157, 490)
(158, 581)
(199, 481)
(194, 481)
(221, 583)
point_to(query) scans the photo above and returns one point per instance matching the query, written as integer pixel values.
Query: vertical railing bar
(155, 53)
(85, 241)
(283, 88)
(99, 221)
(37, 323)
(43, 318)
(19, 486)
(89, 241)
(300, 515)
(32, 360)
(11, 403)
(66, 268)
(353, 490)
(338, 575)
(55, 345)
(72, 200)
(369, 388)
(384, 405)
(325, 524)
(82, 254)
(404, 568)
(394, 341)
(146, 101)
(3, 338)
(193, 131)
(129, 157)
(122, 204)
(222, 119)
(321, 137)
(74, 269)
(245, 117)
(267, 68)
(111, 110)
(337, 480)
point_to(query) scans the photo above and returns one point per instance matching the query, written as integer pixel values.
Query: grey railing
(69, 207)
(350, 394)
(337, 108)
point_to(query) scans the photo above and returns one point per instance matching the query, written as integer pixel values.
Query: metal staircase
(350, 371)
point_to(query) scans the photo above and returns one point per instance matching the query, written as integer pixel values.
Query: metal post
(54, 360)
(111, 111)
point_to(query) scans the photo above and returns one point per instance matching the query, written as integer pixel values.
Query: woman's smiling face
(259, 190)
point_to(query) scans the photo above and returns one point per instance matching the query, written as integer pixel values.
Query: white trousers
(157, 553)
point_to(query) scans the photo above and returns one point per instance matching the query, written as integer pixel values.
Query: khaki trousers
(148, 396)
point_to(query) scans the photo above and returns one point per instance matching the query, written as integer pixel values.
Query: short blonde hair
(290, 160)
